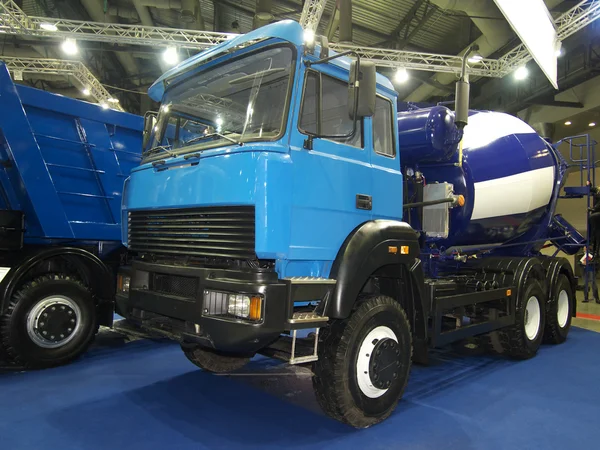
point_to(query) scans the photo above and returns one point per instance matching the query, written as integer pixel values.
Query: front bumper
(181, 316)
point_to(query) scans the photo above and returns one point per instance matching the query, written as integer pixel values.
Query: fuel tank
(504, 169)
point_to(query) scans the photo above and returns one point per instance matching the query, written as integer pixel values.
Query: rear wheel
(364, 363)
(212, 361)
(50, 321)
(523, 339)
(558, 311)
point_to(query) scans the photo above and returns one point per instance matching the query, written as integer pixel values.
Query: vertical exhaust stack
(264, 15)
(345, 30)
(463, 89)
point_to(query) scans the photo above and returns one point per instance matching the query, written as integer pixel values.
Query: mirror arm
(308, 63)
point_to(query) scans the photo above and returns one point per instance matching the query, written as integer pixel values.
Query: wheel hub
(384, 363)
(53, 321)
(375, 362)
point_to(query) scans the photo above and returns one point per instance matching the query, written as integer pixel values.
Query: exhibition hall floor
(144, 394)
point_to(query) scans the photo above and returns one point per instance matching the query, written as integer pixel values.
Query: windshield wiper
(206, 136)
(157, 149)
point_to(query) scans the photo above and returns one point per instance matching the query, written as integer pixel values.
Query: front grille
(174, 285)
(223, 232)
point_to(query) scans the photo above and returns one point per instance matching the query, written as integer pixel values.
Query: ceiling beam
(429, 11)
(559, 103)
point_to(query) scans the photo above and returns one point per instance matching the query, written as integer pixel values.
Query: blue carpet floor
(146, 395)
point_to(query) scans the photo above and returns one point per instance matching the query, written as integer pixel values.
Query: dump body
(506, 172)
(64, 163)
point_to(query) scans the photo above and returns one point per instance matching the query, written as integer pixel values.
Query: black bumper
(180, 315)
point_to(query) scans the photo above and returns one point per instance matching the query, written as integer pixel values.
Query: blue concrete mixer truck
(62, 167)
(284, 207)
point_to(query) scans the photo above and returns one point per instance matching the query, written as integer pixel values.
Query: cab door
(385, 161)
(331, 182)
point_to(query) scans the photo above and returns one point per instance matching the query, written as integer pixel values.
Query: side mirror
(149, 124)
(362, 89)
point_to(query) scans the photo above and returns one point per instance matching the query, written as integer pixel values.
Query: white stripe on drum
(488, 126)
(515, 194)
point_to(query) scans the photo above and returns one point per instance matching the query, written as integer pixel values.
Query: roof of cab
(287, 30)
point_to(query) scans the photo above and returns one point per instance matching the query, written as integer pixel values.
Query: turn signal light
(255, 308)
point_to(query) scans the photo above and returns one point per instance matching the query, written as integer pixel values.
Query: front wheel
(50, 321)
(364, 363)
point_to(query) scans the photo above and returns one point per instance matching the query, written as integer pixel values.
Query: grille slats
(208, 232)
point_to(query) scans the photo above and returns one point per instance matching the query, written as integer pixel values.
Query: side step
(309, 319)
(293, 349)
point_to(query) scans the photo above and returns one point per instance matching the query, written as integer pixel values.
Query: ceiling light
(559, 53)
(219, 121)
(309, 36)
(568, 122)
(401, 75)
(86, 92)
(69, 46)
(104, 105)
(113, 100)
(170, 56)
(46, 26)
(592, 124)
(521, 73)
(475, 58)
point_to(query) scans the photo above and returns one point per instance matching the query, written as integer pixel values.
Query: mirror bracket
(308, 142)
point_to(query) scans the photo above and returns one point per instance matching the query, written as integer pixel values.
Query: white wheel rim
(35, 318)
(364, 357)
(533, 318)
(562, 313)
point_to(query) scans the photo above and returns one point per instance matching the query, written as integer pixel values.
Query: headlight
(123, 283)
(243, 306)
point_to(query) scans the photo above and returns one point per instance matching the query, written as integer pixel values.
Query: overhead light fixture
(475, 58)
(170, 56)
(401, 75)
(104, 105)
(46, 26)
(592, 124)
(568, 122)
(86, 92)
(69, 46)
(113, 100)
(309, 36)
(521, 73)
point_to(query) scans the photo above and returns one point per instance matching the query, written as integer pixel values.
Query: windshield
(232, 103)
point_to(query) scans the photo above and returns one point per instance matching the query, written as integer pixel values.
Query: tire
(70, 312)
(522, 340)
(558, 311)
(214, 362)
(348, 384)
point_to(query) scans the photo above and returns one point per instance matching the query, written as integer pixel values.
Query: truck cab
(269, 203)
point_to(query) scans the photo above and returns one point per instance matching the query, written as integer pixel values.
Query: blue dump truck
(63, 163)
(284, 207)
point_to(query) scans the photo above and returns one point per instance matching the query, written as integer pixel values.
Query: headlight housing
(123, 283)
(247, 307)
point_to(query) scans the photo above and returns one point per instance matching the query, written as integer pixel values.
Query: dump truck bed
(63, 163)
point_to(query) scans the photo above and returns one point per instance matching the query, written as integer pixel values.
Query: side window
(325, 109)
(383, 131)
(310, 104)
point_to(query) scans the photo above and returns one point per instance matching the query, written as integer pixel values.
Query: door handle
(364, 202)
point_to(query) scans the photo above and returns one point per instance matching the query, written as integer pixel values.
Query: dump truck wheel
(558, 311)
(364, 363)
(523, 339)
(212, 361)
(50, 321)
